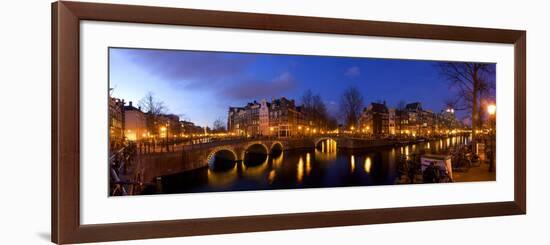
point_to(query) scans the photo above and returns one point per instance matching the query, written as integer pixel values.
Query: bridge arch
(223, 154)
(276, 146)
(318, 140)
(257, 148)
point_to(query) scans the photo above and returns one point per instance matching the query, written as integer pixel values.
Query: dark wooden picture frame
(66, 17)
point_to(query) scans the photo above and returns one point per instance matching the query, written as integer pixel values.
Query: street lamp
(163, 134)
(491, 110)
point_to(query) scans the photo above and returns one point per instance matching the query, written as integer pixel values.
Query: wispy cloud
(224, 75)
(188, 69)
(352, 72)
(256, 89)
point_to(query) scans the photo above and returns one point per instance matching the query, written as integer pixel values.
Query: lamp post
(368, 131)
(163, 133)
(491, 110)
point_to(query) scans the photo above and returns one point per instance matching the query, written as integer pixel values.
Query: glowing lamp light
(491, 109)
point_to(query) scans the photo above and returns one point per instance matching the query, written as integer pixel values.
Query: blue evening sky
(202, 85)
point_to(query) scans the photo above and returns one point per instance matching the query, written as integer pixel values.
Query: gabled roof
(377, 107)
(130, 107)
(414, 106)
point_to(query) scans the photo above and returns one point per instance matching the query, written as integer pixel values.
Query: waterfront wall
(159, 164)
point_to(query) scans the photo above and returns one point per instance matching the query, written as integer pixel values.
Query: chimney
(130, 103)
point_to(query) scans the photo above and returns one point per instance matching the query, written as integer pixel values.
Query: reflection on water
(323, 166)
(327, 150)
(271, 176)
(367, 164)
(255, 166)
(278, 160)
(308, 163)
(352, 163)
(219, 178)
(300, 170)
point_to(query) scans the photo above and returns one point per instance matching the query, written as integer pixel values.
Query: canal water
(323, 166)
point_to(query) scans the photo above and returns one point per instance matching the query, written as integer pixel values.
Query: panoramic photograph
(201, 121)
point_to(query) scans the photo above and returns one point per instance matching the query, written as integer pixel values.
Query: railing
(177, 145)
(124, 178)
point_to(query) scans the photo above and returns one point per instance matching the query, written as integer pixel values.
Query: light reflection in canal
(255, 171)
(352, 163)
(222, 178)
(300, 170)
(367, 164)
(323, 166)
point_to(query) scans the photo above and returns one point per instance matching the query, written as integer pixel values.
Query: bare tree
(315, 109)
(219, 125)
(351, 104)
(153, 109)
(183, 117)
(472, 82)
(320, 110)
(332, 122)
(401, 105)
(307, 99)
(454, 103)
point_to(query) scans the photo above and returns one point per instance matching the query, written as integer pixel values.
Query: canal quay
(279, 145)
(212, 121)
(209, 164)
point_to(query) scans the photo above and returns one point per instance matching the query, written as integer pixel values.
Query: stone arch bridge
(196, 156)
(236, 150)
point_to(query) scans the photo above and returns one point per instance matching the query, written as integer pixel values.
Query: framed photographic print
(176, 122)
